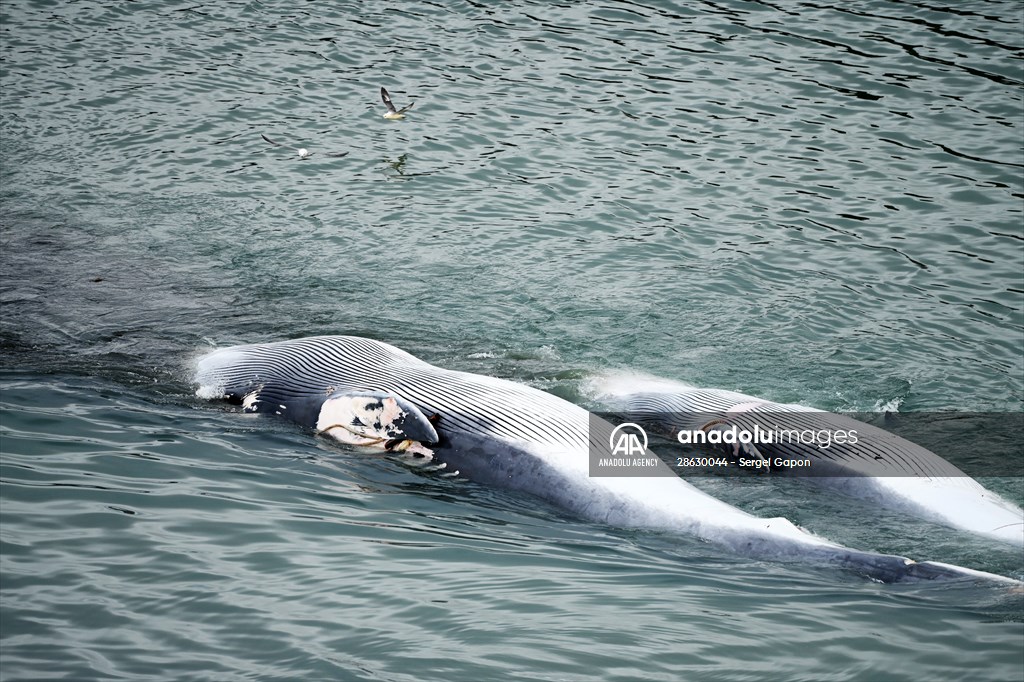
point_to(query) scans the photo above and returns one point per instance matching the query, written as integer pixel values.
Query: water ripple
(817, 203)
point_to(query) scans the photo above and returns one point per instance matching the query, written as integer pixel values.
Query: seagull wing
(387, 101)
(336, 155)
(276, 144)
(406, 108)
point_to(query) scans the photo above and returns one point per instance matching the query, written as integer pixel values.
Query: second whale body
(877, 466)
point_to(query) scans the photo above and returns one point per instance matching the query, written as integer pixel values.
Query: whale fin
(375, 419)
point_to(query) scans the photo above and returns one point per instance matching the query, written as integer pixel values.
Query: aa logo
(628, 440)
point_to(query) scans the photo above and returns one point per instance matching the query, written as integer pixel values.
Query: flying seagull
(393, 113)
(302, 151)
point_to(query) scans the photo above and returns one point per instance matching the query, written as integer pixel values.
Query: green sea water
(808, 202)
